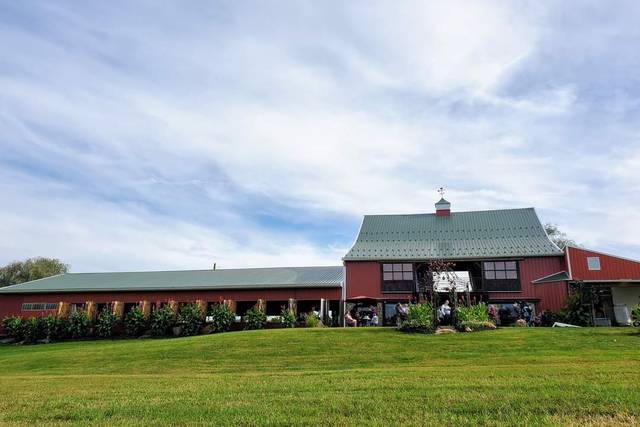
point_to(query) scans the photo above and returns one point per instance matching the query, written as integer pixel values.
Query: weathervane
(441, 191)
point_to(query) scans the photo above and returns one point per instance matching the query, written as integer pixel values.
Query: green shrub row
(162, 322)
(78, 325)
(49, 328)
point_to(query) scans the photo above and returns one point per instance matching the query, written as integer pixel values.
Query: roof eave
(171, 289)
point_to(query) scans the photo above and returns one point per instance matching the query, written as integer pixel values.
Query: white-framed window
(39, 306)
(593, 263)
(500, 270)
(397, 272)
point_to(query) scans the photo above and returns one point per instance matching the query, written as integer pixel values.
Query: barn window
(397, 277)
(500, 276)
(38, 306)
(593, 263)
(500, 270)
(397, 272)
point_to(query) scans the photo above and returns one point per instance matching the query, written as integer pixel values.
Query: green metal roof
(461, 235)
(560, 276)
(244, 278)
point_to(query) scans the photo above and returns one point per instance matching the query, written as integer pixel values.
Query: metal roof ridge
(452, 212)
(183, 271)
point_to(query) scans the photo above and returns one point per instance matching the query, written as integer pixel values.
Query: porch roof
(462, 235)
(241, 278)
(560, 276)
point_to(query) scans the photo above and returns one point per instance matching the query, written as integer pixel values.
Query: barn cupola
(443, 208)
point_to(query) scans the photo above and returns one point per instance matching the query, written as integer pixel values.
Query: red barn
(301, 288)
(615, 281)
(502, 251)
(505, 256)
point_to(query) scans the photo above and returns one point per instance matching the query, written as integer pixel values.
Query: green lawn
(356, 377)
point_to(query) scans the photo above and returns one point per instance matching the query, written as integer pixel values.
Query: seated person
(374, 319)
(349, 320)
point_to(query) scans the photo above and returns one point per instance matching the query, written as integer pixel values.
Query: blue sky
(159, 135)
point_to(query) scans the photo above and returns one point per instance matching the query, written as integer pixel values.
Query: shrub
(474, 313)
(78, 325)
(33, 329)
(13, 327)
(419, 319)
(55, 328)
(288, 319)
(635, 313)
(575, 311)
(548, 318)
(223, 318)
(312, 321)
(106, 323)
(162, 321)
(135, 323)
(190, 319)
(256, 318)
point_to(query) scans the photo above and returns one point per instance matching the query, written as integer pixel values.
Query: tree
(31, 269)
(557, 236)
(426, 291)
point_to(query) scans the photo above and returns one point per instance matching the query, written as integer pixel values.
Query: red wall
(10, 304)
(551, 295)
(363, 279)
(611, 267)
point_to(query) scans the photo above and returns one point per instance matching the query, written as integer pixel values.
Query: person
(444, 313)
(537, 321)
(491, 311)
(349, 320)
(504, 314)
(399, 314)
(527, 314)
(516, 313)
(374, 318)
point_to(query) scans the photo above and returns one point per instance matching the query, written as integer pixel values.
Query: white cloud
(165, 142)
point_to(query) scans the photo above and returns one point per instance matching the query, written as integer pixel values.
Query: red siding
(552, 295)
(611, 267)
(10, 304)
(364, 279)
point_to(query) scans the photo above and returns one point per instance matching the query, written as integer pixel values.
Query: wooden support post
(63, 310)
(90, 308)
(203, 306)
(145, 307)
(231, 304)
(174, 308)
(262, 304)
(118, 309)
(293, 306)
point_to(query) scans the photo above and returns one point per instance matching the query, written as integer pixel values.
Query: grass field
(368, 377)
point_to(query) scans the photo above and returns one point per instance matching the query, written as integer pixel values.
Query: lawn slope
(329, 377)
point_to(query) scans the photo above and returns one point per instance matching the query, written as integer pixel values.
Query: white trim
(545, 231)
(604, 253)
(356, 239)
(569, 261)
(610, 281)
